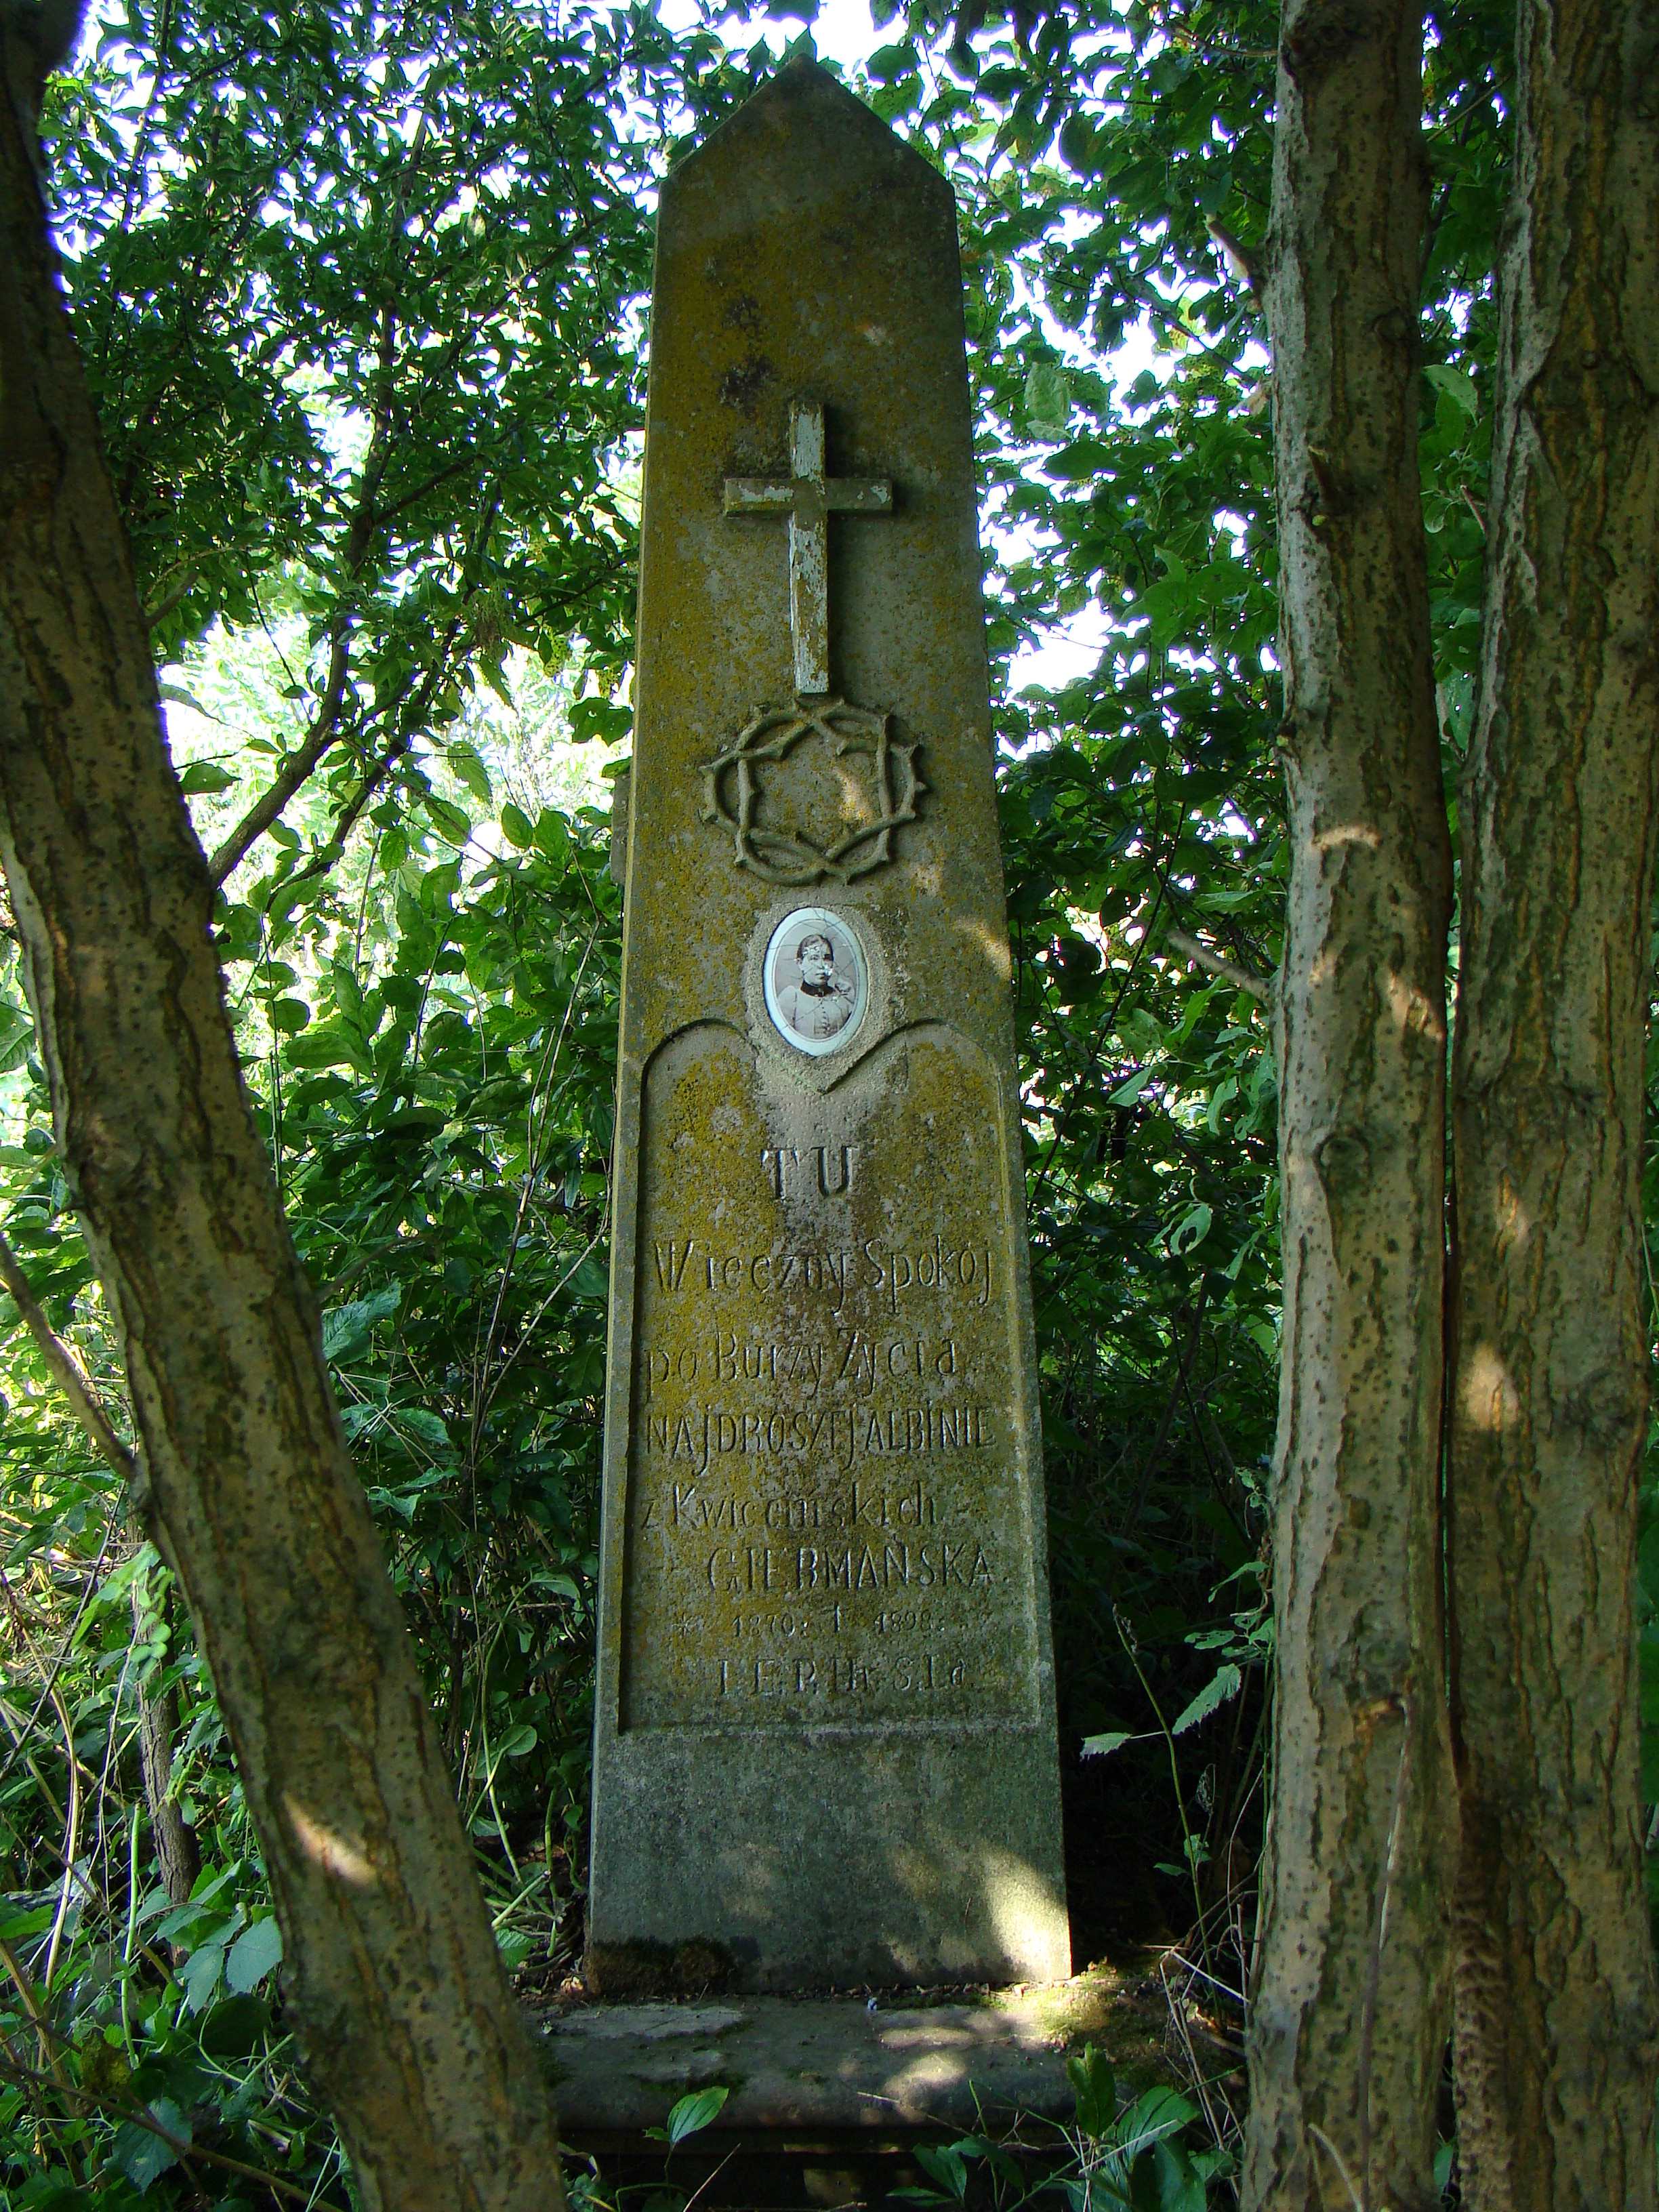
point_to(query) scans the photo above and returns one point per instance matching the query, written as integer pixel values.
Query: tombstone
(824, 1742)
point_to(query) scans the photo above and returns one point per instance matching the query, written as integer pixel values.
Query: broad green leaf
(1181, 2187)
(945, 2164)
(236, 2026)
(1100, 1747)
(35, 1922)
(1049, 398)
(1191, 1230)
(252, 1955)
(514, 1945)
(1455, 383)
(143, 2153)
(448, 818)
(695, 2110)
(1095, 2087)
(201, 777)
(347, 1329)
(1155, 2113)
(200, 1975)
(464, 761)
(426, 1425)
(1224, 1684)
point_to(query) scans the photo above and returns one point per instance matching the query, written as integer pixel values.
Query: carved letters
(823, 1507)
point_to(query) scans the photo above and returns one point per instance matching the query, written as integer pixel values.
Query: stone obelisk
(824, 1742)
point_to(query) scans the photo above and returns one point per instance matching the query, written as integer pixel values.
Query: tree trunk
(392, 1973)
(1351, 2006)
(1556, 2027)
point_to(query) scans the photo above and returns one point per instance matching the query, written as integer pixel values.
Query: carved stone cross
(808, 497)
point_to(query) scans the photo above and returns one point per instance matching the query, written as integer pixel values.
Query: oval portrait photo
(817, 982)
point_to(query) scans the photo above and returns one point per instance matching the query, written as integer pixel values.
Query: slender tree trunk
(177, 1856)
(1351, 2006)
(1556, 2022)
(392, 1973)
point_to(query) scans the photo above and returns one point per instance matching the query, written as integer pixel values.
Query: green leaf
(34, 1923)
(1191, 1230)
(1155, 2113)
(888, 64)
(464, 760)
(1100, 1746)
(516, 826)
(1224, 1684)
(235, 2027)
(1095, 2087)
(346, 1328)
(1456, 384)
(1180, 2188)
(514, 1945)
(203, 776)
(429, 1426)
(252, 1955)
(1078, 462)
(599, 718)
(1049, 398)
(947, 2166)
(448, 819)
(200, 1975)
(140, 2153)
(694, 2112)
(323, 1045)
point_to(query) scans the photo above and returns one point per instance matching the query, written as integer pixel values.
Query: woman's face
(817, 962)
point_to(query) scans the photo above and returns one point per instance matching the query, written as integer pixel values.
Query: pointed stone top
(804, 104)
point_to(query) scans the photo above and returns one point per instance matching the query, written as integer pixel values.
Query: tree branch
(324, 723)
(66, 1370)
(175, 598)
(295, 770)
(1258, 986)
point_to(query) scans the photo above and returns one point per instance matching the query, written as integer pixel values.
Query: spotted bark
(1350, 2002)
(391, 1971)
(1555, 2046)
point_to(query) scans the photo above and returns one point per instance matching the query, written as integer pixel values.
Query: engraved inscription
(826, 1509)
(829, 1165)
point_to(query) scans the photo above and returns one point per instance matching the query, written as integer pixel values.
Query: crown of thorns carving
(733, 792)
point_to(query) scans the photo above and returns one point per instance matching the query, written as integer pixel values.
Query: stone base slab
(837, 2065)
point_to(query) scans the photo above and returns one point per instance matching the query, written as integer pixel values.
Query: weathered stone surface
(833, 2065)
(824, 1739)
